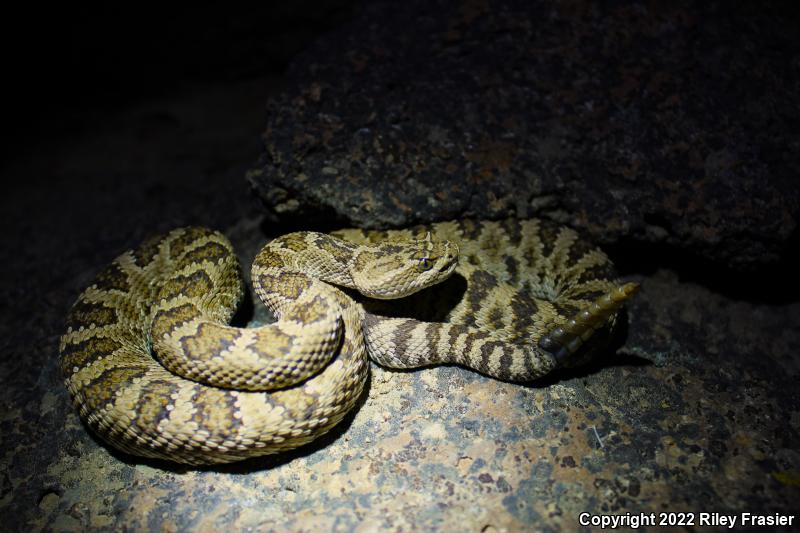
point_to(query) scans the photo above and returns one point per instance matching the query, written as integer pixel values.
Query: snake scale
(154, 369)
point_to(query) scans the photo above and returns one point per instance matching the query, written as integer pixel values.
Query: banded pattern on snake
(154, 370)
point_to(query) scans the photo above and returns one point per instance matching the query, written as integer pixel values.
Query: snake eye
(424, 264)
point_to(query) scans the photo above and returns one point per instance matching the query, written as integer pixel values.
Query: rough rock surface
(671, 123)
(699, 412)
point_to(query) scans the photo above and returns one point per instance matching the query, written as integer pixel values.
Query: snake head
(397, 269)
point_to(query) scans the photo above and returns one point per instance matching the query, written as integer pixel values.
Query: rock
(666, 124)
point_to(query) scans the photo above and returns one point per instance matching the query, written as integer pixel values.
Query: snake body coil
(526, 298)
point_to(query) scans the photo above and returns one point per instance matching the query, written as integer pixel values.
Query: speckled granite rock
(665, 123)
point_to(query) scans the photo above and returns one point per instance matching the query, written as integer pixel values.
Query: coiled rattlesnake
(527, 297)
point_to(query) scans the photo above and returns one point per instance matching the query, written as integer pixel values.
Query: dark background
(123, 122)
(77, 60)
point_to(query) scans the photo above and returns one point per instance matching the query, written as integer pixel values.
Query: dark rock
(662, 123)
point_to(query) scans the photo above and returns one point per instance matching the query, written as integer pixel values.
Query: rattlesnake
(526, 297)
